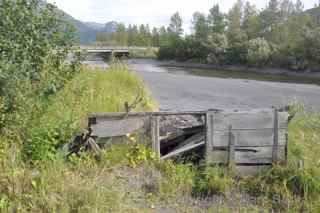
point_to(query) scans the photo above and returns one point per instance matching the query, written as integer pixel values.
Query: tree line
(280, 35)
(133, 35)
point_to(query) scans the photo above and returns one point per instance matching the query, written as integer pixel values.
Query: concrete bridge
(110, 49)
(107, 51)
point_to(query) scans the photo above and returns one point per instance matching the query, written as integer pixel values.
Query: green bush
(218, 45)
(259, 52)
(34, 43)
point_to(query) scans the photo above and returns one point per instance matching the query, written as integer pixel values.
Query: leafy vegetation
(281, 35)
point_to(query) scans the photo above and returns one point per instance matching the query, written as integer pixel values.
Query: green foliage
(34, 43)
(200, 26)
(140, 153)
(130, 36)
(180, 178)
(286, 186)
(214, 181)
(175, 26)
(216, 20)
(218, 46)
(281, 35)
(259, 52)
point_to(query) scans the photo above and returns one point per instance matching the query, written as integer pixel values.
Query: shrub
(259, 52)
(34, 43)
(218, 45)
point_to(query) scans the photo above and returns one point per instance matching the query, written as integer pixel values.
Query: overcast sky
(153, 12)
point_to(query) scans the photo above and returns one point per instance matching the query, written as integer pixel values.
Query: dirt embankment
(265, 70)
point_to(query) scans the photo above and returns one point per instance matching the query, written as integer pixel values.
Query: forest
(282, 35)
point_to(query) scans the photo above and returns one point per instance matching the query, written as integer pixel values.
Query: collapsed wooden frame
(247, 140)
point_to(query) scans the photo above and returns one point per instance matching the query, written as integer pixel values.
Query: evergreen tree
(175, 26)
(216, 20)
(155, 37)
(200, 26)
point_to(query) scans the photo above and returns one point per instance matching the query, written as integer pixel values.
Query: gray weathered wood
(209, 134)
(117, 126)
(193, 139)
(181, 150)
(263, 137)
(231, 147)
(155, 130)
(245, 155)
(275, 138)
(123, 114)
(248, 120)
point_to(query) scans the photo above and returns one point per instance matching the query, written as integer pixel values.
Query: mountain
(87, 32)
(110, 27)
(315, 14)
(95, 25)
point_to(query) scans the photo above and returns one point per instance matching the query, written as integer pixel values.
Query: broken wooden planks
(249, 141)
(117, 124)
(256, 138)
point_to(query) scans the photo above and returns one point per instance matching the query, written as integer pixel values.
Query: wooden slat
(193, 139)
(123, 114)
(155, 130)
(209, 134)
(248, 120)
(231, 147)
(254, 138)
(113, 127)
(186, 148)
(275, 138)
(246, 155)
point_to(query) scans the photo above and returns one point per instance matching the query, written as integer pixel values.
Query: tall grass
(92, 91)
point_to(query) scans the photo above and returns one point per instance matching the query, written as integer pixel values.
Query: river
(183, 89)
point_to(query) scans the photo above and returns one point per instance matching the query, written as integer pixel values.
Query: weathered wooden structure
(247, 140)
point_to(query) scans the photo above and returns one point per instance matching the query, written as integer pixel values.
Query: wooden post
(275, 138)
(231, 148)
(209, 134)
(155, 135)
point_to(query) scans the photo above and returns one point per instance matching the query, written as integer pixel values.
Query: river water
(183, 89)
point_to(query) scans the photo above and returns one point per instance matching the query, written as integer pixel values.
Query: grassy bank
(129, 178)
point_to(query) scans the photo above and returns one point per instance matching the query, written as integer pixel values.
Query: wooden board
(155, 132)
(117, 125)
(263, 119)
(245, 155)
(249, 138)
(181, 150)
